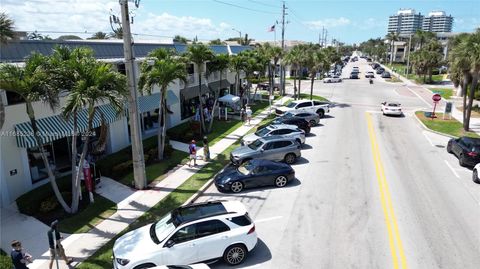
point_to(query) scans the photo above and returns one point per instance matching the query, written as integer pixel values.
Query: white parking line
(451, 168)
(429, 141)
(268, 219)
(428, 104)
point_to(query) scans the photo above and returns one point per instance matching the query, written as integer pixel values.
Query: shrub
(122, 168)
(48, 204)
(5, 260)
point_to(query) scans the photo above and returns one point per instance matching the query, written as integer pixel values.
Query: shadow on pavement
(301, 160)
(326, 117)
(306, 146)
(260, 254)
(340, 105)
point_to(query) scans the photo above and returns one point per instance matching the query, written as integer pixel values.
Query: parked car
(189, 234)
(291, 120)
(193, 266)
(310, 117)
(391, 108)
(254, 173)
(335, 78)
(315, 106)
(380, 70)
(386, 75)
(275, 148)
(369, 74)
(285, 130)
(475, 173)
(354, 75)
(467, 149)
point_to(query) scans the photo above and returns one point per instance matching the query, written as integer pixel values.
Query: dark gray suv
(274, 148)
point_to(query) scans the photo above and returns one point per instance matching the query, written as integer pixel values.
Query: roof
(282, 126)
(199, 211)
(275, 137)
(238, 49)
(17, 51)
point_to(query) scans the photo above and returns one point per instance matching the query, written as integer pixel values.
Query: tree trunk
(75, 190)
(2, 110)
(75, 200)
(295, 85)
(51, 176)
(311, 87)
(202, 120)
(161, 125)
(430, 72)
(473, 86)
(210, 125)
(465, 92)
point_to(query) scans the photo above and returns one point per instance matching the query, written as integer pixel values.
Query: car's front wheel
(290, 158)
(236, 187)
(313, 123)
(280, 181)
(235, 254)
(144, 266)
(475, 176)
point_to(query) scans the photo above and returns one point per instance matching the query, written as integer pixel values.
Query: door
(184, 251)
(212, 238)
(267, 151)
(304, 106)
(264, 176)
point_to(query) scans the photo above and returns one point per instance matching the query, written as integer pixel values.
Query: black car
(354, 75)
(254, 173)
(299, 122)
(380, 70)
(386, 75)
(467, 149)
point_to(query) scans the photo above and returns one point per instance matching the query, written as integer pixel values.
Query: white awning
(229, 98)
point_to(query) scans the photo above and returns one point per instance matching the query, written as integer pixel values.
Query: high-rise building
(437, 22)
(405, 22)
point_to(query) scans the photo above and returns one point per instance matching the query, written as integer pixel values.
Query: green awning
(56, 127)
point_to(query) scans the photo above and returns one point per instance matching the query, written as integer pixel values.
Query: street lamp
(239, 32)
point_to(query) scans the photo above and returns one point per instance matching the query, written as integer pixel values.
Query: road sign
(436, 97)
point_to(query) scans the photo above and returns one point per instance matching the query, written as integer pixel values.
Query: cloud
(370, 23)
(327, 23)
(167, 24)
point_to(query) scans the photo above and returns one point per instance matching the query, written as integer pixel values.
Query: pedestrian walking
(249, 114)
(206, 149)
(20, 258)
(56, 248)
(192, 149)
(243, 116)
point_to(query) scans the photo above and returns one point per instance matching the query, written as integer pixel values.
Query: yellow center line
(385, 197)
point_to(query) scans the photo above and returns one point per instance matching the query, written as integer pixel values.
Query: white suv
(286, 130)
(189, 234)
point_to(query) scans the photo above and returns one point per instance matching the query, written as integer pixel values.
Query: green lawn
(401, 69)
(393, 79)
(445, 93)
(103, 257)
(314, 97)
(156, 171)
(5, 260)
(451, 127)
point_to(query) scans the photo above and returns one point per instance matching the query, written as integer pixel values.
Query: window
(13, 98)
(210, 227)
(242, 220)
(190, 69)
(269, 146)
(280, 144)
(306, 104)
(184, 234)
(317, 103)
(284, 131)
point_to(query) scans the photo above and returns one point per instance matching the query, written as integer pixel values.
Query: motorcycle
(371, 81)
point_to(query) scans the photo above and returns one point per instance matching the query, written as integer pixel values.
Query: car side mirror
(170, 243)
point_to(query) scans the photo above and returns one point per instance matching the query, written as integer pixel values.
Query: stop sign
(436, 97)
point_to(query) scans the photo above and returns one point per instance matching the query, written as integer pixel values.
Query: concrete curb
(430, 130)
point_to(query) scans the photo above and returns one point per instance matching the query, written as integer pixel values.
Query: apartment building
(437, 22)
(21, 168)
(405, 22)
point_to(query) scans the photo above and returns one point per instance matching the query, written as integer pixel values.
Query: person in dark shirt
(59, 250)
(20, 258)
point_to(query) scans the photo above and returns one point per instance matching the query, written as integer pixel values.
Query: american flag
(271, 29)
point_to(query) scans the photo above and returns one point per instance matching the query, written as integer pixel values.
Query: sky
(347, 21)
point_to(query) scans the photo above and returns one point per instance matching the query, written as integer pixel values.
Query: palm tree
(31, 83)
(99, 35)
(6, 28)
(392, 37)
(200, 54)
(117, 33)
(164, 70)
(421, 37)
(96, 83)
(292, 58)
(218, 64)
(180, 39)
(237, 64)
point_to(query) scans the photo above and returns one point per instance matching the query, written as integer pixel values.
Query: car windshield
(162, 228)
(292, 104)
(262, 132)
(393, 104)
(256, 144)
(246, 168)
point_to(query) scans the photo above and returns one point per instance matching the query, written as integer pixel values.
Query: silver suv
(274, 148)
(285, 130)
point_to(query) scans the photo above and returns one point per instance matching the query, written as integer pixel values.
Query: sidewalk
(425, 93)
(131, 204)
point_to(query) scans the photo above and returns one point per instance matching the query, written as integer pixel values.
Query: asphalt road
(371, 191)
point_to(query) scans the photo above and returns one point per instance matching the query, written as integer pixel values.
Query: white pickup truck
(313, 106)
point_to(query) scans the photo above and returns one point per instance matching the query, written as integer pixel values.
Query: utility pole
(408, 58)
(282, 67)
(137, 145)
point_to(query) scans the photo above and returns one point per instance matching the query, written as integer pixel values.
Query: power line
(251, 9)
(263, 4)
